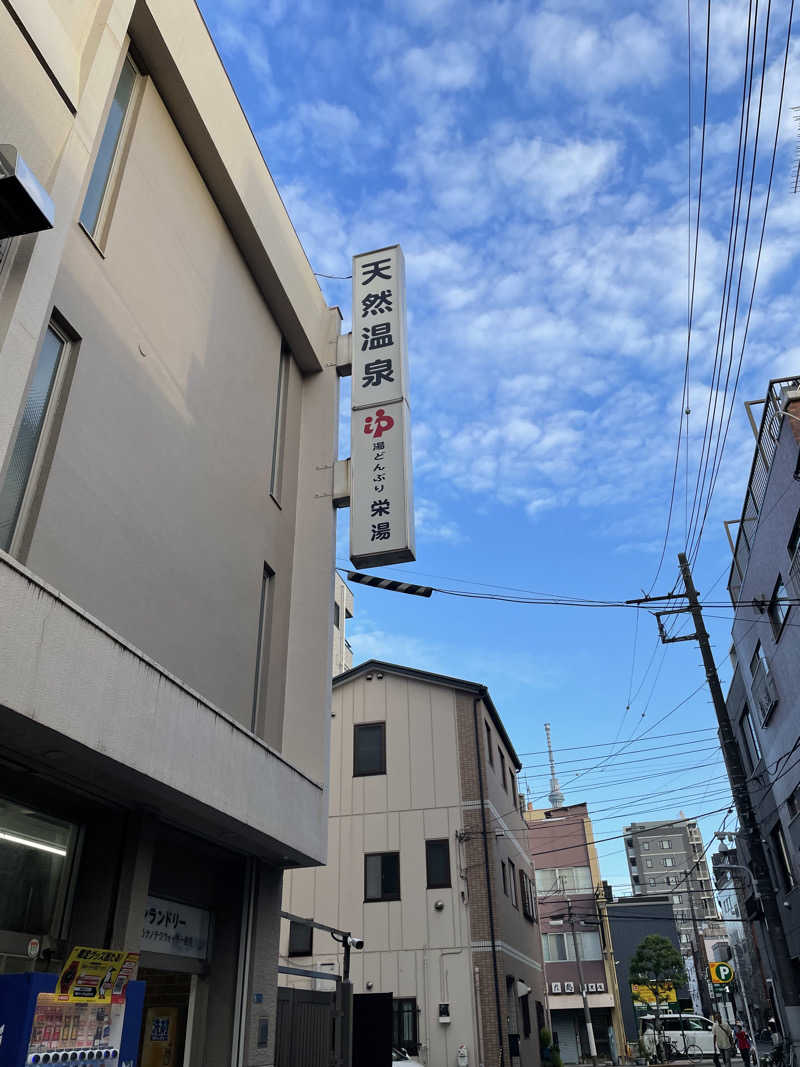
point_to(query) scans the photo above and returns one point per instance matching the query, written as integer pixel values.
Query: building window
(404, 1025)
(648, 861)
(382, 876)
(684, 939)
(504, 874)
(669, 861)
(301, 939)
(762, 685)
(752, 747)
(38, 403)
(677, 898)
(437, 863)
(336, 614)
(369, 749)
(489, 743)
(651, 881)
(528, 899)
(107, 153)
(512, 882)
(502, 768)
(36, 855)
(794, 555)
(262, 651)
(782, 860)
(645, 846)
(555, 880)
(666, 843)
(526, 1015)
(778, 609)
(793, 803)
(279, 430)
(556, 948)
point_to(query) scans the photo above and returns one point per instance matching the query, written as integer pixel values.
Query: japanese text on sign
(381, 510)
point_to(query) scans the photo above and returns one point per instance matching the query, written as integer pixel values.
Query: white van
(696, 1028)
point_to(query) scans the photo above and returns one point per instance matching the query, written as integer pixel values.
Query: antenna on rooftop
(556, 797)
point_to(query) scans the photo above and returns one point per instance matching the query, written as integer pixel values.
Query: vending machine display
(40, 1027)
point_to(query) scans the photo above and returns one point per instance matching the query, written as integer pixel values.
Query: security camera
(355, 942)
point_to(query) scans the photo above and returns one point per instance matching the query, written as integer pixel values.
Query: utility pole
(775, 940)
(587, 1015)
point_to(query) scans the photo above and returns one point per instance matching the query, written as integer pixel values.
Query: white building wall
(411, 948)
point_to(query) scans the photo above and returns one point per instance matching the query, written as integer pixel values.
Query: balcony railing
(766, 444)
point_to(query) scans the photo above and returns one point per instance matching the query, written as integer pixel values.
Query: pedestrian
(723, 1039)
(743, 1043)
(777, 1043)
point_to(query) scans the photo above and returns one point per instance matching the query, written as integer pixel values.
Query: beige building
(342, 611)
(168, 428)
(427, 863)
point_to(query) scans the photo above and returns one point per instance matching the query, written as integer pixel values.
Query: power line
(598, 744)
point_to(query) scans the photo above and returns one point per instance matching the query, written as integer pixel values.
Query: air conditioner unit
(555, 987)
(569, 987)
(601, 987)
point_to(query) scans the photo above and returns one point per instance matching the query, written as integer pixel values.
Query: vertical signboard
(381, 499)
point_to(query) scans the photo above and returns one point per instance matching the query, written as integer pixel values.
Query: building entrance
(166, 1010)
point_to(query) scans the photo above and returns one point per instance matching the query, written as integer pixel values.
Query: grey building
(631, 920)
(168, 428)
(763, 701)
(667, 858)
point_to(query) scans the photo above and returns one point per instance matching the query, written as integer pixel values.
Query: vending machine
(39, 1025)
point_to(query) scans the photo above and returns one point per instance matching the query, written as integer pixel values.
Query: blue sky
(533, 162)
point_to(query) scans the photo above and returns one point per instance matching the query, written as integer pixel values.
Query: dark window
(782, 860)
(257, 724)
(505, 876)
(794, 540)
(32, 424)
(106, 153)
(526, 1016)
(502, 767)
(512, 882)
(778, 608)
(489, 743)
(404, 1025)
(526, 893)
(751, 745)
(437, 862)
(369, 749)
(382, 876)
(300, 939)
(793, 803)
(336, 615)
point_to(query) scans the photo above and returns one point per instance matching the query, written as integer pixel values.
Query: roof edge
(474, 688)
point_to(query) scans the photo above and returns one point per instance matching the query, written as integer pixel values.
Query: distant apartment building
(573, 917)
(168, 427)
(426, 862)
(667, 857)
(342, 611)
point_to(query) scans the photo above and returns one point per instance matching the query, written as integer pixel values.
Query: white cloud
(586, 58)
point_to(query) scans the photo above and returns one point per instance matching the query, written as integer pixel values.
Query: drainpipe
(490, 899)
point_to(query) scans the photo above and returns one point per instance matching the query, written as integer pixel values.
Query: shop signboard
(721, 973)
(96, 975)
(175, 929)
(381, 498)
(645, 995)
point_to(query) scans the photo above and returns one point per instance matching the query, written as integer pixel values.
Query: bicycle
(669, 1051)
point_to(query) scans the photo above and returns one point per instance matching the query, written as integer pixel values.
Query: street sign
(721, 973)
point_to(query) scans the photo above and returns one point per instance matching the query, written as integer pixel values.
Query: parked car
(399, 1055)
(696, 1028)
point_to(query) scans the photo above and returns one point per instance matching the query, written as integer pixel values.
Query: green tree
(656, 964)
